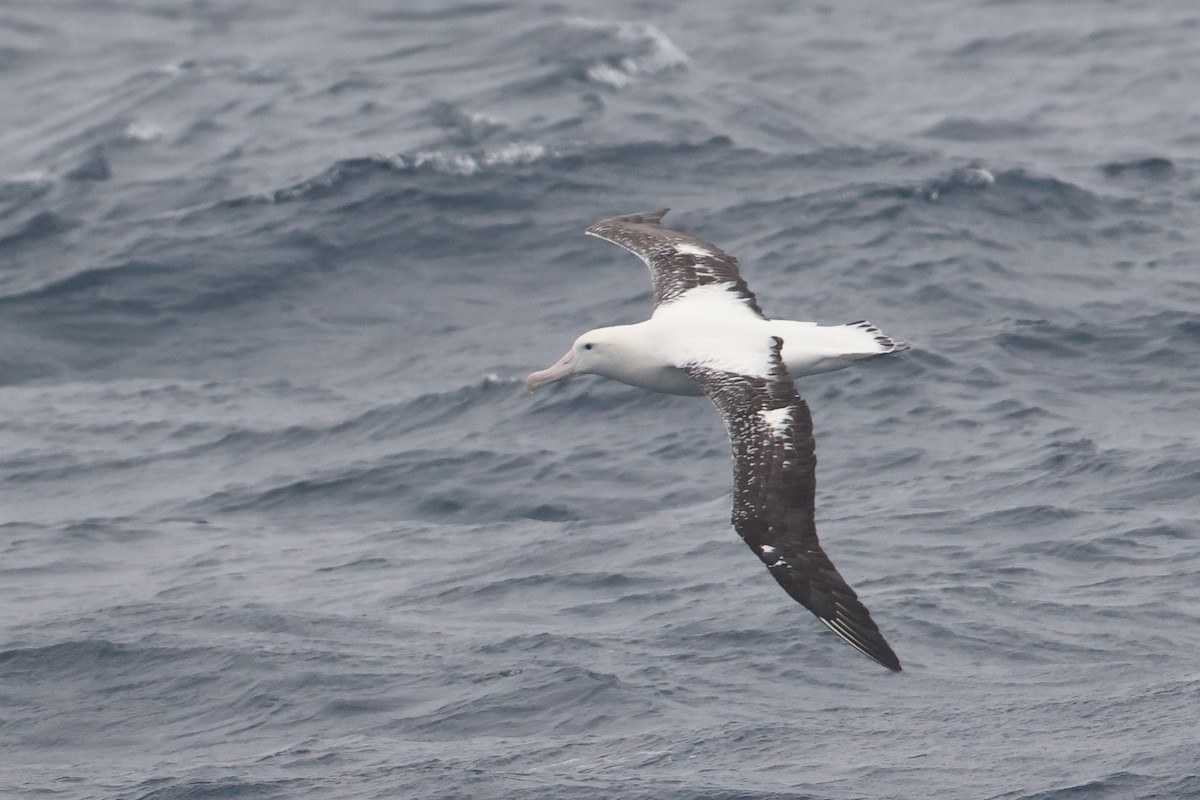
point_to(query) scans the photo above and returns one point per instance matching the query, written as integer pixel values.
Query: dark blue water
(277, 519)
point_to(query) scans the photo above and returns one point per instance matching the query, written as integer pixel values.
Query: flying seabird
(707, 335)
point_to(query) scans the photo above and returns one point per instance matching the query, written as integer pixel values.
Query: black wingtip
(888, 660)
(866, 640)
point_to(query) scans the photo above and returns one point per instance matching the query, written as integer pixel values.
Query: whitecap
(461, 163)
(33, 177)
(609, 75)
(515, 153)
(654, 52)
(141, 130)
(453, 163)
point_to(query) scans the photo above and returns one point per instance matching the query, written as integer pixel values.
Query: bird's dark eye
(587, 346)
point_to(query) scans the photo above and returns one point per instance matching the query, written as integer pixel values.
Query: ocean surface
(278, 520)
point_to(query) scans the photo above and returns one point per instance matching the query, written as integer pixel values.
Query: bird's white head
(597, 352)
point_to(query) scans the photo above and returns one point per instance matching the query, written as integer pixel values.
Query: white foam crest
(141, 130)
(658, 53)
(448, 162)
(480, 120)
(515, 153)
(34, 177)
(976, 176)
(453, 163)
(664, 54)
(610, 75)
(507, 155)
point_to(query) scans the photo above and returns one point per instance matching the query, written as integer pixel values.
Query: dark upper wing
(677, 262)
(770, 428)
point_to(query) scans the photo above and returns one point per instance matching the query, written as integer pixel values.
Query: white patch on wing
(767, 549)
(777, 418)
(693, 250)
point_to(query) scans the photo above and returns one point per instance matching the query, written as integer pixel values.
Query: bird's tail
(881, 342)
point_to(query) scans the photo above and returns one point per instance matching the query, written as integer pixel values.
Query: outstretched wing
(774, 466)
(677, 262)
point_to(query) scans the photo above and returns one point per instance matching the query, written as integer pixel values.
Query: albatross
(708, 335)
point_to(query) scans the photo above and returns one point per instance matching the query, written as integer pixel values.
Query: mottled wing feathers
(770, 429)
(677, 262)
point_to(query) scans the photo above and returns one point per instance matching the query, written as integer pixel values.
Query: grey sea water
(277, 519)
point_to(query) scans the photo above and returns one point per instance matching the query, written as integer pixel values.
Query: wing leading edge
(677, 262)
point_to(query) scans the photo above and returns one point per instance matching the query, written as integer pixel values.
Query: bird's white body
(711, 325)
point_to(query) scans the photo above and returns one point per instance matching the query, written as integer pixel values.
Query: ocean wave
(970, 129)
(446, 162)
(279, 519)
(27, 184)
(1154, 168)
(95, 659)
(1013, 192)
(143, 130)
(205, 785)
(288, 470)
(638, 49)
(591, 165)
(136, 272)
(563, 699)
(449, 483)
(466, 128)
(41, 225)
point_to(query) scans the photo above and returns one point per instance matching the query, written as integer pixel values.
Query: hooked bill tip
(563, 368)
